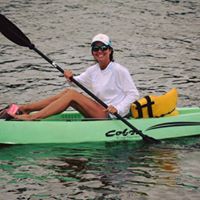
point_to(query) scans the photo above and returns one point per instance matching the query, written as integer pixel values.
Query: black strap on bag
(149, 104)
(139, 109)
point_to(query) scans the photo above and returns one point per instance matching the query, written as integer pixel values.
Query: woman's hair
(111, 55)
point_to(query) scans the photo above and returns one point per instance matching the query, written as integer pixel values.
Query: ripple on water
(101, 170)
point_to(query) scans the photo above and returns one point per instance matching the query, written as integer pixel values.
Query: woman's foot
(23, 117)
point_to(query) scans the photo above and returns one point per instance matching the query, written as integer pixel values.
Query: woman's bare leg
(39, 105)
(85, 105)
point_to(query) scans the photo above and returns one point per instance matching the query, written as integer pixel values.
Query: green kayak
(71, 127)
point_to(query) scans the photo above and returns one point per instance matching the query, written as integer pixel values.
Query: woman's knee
(67, 91)
(71, 93)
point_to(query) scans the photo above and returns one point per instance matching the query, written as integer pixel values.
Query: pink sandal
(8, 111)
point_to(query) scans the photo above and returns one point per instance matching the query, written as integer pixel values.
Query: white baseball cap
(102, 38)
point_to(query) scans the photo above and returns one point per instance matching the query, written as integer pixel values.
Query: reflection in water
(89, 171)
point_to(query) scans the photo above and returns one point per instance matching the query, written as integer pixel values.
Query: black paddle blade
(13, 33)
(151, 140)
(147, 138)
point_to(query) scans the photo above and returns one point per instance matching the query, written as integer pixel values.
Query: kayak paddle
(13, 33)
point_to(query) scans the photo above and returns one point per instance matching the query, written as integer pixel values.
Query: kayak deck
(72, 127)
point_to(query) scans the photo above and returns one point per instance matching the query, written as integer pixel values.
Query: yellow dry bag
(156, 106)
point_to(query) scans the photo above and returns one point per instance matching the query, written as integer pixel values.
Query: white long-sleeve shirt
(113, 85)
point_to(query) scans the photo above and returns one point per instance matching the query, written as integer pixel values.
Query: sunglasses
(97, 48)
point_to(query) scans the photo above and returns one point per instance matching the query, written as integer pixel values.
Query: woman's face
(101, 53)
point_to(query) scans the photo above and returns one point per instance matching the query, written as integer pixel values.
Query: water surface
(101, 171)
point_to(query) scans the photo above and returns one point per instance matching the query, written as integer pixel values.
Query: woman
(107, 79)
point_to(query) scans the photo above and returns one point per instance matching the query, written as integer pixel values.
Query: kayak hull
(71, 127)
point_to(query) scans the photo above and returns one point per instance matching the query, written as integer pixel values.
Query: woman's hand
(111, 109)
(68, 74)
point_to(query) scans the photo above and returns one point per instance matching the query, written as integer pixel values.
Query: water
(101, 171)
(158, 41)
